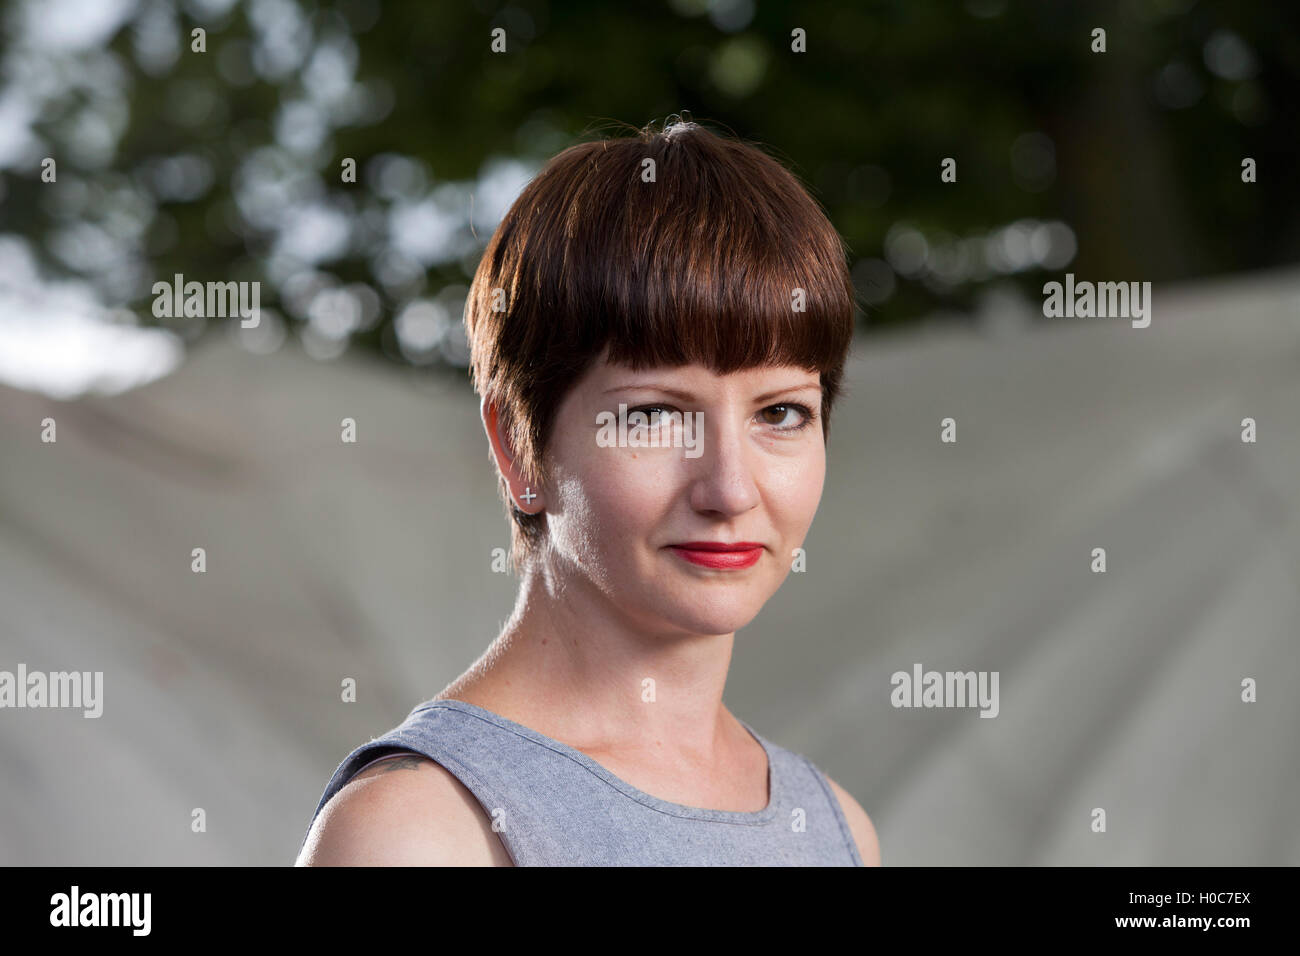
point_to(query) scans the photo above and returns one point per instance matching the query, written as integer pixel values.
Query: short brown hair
(698, 265)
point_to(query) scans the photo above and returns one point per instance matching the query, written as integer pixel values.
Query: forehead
(604, 375)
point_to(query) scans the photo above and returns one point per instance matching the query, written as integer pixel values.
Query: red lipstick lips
(720, 554)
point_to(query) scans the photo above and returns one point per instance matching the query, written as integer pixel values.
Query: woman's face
(743, 461)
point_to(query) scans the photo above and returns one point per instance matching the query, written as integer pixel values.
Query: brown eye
(786, 417)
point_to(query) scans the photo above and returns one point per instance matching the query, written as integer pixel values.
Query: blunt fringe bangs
(666, 248)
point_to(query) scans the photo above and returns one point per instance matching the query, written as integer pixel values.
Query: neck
(572, 665)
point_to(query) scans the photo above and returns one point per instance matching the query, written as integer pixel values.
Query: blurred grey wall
(372, 560)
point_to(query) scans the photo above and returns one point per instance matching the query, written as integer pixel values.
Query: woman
(658, 329)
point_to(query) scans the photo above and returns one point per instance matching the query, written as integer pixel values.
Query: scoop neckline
(775, 781)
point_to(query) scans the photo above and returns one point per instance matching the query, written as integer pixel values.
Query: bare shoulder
(864, 833)
(403, 811)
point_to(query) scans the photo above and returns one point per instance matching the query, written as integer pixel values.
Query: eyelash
(809, 416)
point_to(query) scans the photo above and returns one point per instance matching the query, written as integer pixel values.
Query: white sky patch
(283, 37)
(499, 184)
(328, 75)
(18, 145)
(67, 25)
(314, 233)
(424, 230)
(301, 126)
(56, 337)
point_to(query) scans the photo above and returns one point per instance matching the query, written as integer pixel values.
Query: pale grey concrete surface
(1117, 690)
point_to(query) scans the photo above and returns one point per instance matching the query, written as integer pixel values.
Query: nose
(725, 481)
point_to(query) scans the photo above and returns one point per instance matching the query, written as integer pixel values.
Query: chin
(707, 614)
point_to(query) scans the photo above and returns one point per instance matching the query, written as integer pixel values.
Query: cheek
(608, 495)
(630, 487)
(795, 490)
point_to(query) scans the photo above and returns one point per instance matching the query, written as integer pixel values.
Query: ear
(525, 497)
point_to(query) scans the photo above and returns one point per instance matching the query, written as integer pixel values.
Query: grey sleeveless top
(552, 805)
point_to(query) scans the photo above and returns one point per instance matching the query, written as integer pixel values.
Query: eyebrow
(688, 397)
